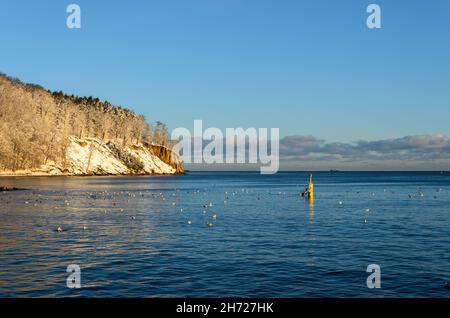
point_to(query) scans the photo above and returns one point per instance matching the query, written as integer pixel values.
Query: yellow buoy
(310, 190)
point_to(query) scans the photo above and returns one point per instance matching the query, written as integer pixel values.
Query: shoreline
(40, 175)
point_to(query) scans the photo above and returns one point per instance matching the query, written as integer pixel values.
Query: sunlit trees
(35, 124)
(161, 134)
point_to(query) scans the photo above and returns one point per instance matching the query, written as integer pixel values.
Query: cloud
(420, 142)
(430, 152)
(306, 152)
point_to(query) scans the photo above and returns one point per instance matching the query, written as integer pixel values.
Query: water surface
(266, 240)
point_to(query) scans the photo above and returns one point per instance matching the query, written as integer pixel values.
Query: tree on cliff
(161, 134)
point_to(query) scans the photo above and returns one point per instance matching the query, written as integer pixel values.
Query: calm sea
(149, 236)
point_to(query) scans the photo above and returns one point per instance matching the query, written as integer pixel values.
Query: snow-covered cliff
(91, 156)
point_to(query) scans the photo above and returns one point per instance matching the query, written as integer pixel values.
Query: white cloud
(424, 152)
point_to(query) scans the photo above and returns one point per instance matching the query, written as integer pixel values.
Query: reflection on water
(311, 210)
(148, 236)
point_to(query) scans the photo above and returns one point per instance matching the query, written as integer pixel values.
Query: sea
(227, 234)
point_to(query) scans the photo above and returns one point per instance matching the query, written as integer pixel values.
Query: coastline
(44, 174)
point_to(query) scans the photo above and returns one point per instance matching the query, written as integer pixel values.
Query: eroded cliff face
(167, 156)
(91, 156)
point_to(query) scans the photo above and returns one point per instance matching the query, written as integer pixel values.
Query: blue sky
(307, 67)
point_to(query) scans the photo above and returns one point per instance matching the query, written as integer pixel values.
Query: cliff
(52, 133)
(91, 156)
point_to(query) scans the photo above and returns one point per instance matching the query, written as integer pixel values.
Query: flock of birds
(420, 194)
(130, 197)
(37, 199)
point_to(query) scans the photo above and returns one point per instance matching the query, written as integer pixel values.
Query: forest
(35, 124)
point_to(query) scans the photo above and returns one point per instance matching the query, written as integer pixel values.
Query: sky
(311, 68)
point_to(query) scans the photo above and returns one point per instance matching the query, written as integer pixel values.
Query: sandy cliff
(91, 156)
